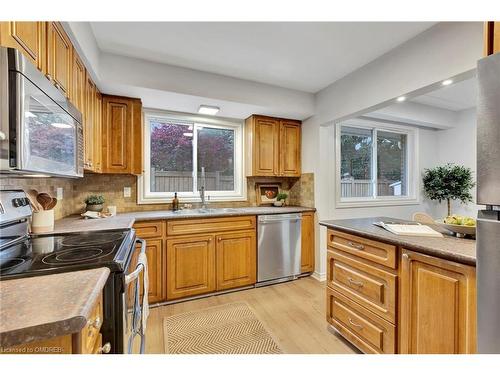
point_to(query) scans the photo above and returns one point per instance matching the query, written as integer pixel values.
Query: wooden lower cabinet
(366, 330)
(308, 243)
(190, 266)
(437, 306)
(156, 255)
(236, 255)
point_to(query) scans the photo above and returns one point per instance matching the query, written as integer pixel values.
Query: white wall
(458, 145)
(443, 51)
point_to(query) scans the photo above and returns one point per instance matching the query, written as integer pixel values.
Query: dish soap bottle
(175, 203)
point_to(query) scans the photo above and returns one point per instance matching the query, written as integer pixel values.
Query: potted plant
(448, 182)
(94, 203)
(280, 199)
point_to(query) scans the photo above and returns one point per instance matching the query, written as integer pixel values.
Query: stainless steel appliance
(40, 130)
(279, 247)
(488, 193)
(22, 255)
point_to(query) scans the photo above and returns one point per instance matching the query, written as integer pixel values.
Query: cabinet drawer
(369, 286)
(90, 333)
(374, 251)
(220, 224)
(149, 229)
(364, 329)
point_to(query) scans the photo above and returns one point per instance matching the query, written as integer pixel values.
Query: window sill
(378, 203)
(182, 200)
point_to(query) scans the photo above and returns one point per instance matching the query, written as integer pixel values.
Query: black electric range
(45, 254)
(24, 255)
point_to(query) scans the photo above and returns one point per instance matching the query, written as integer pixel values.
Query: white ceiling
(456, 97)
(302, 56)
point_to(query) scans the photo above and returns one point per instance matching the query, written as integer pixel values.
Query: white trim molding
(412, 157)
(146, 196)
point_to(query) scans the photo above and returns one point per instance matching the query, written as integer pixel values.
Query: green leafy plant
(448, 182)
(94, 199)
(281, 196)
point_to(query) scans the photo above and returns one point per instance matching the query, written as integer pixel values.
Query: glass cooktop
(66, 252)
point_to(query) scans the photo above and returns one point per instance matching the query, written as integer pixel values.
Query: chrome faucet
(202, 196)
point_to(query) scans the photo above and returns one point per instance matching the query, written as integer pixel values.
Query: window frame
(145, 196)
(413, 194)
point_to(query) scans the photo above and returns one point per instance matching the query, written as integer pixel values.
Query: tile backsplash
(300, 191)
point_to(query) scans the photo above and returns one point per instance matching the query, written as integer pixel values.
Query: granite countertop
(460, 250)
(41, 307)
(126, 220)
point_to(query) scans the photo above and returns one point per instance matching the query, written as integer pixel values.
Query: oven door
(134, 337)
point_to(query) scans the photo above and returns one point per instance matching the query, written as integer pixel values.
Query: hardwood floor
(293, 312)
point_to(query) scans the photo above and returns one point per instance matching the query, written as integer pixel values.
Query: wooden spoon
(52, 204)
(32, 196)
(44, 199)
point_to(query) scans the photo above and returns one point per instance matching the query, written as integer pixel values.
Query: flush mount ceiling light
(401, 99)
(447, 82)
(208, 110)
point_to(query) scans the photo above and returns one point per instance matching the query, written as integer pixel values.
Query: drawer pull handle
(354, 282)
(105, 349)
(354, 324)
(356, 246)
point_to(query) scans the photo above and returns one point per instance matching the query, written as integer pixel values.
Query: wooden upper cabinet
(59, 57)
(27, 37)
(289, 141)
(121, 135)
(79, 81)
(236, 255)
(491, 37)
(273, 146)
(190, 266)
(308, 240)
(437, 306)
(89, 123)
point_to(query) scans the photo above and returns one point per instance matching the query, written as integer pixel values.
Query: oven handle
(140, 267)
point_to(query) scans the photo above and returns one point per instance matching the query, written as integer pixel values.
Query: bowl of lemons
(460, 225)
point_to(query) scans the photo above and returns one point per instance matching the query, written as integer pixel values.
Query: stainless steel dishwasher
(278, 249)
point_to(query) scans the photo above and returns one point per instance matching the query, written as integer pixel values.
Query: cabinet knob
(105, 349)
(406, 256)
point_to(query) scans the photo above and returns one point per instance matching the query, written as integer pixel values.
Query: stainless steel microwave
(41, 132)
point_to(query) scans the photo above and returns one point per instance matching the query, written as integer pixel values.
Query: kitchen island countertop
(41, 307)
(461, 250)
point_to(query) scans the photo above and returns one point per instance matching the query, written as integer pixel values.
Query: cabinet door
(155, 253)
(437, 306)
(27, 37)
(97, 135)
(236, 260)
(289, 147)
(307, 253)
(89, 123)
(265, 155)
(190, 266)
(491, 38)
(59, 57)
(79, 76)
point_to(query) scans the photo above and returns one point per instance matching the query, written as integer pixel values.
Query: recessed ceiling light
(401, 99)
(208, 110)
(447, 82)
(61, 125)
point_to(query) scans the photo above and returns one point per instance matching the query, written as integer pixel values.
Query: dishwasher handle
(263, 219)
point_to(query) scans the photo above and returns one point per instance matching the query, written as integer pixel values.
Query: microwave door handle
(135, 274)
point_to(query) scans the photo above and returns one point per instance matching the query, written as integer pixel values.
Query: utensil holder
(42, 221)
